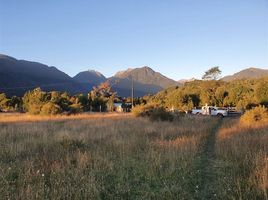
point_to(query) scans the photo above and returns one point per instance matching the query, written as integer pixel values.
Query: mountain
(123, 87)
(19, 76)
(146, 75)
(248, 73)
(89, 78)
(146, 81)
(121, 73)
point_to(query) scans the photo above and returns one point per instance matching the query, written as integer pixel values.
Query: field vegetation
(124, 157)
(101, 158)
(242, 160)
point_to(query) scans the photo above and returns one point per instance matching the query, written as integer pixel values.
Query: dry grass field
(242, 157)
(123, 157)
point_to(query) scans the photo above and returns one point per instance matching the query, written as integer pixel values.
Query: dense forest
(242, 94)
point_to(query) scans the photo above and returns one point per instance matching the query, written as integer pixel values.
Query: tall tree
(212, 74)
(100, 95)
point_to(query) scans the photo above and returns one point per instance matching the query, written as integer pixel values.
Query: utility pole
(132, 93)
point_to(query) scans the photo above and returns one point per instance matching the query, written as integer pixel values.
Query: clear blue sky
(179, 38)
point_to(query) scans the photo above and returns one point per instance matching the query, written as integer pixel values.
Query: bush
(50, 109)
(75, 108)
(160, 114)
(255, 115)
(154, 113)
(35, 109)
(143, 110)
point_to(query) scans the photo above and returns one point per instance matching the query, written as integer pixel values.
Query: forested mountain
(248, 73)
(89, 79)
(18, 76)
(90, 76)
(146, 81)
(123, 87)
(146, 75)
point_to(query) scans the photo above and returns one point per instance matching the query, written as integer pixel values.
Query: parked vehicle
(210, 110)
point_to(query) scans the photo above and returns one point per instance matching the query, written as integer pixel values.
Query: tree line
(242, 94)
(99, 99)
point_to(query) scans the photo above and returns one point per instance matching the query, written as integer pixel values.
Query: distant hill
(146, 75)
(182, 81)
(146, 81)
(19, 76)
(90, 76)
(123, 87)
(121, 73)
(248, 73)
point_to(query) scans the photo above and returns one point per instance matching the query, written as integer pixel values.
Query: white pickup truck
(210, 110)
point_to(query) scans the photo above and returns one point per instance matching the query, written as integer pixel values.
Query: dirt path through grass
(207, 173)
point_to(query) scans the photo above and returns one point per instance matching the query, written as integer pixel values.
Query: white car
(211, 110)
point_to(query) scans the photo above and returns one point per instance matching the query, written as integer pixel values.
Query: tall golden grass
(115, 156)
(243, 150)
(19, 117)
(99, 157)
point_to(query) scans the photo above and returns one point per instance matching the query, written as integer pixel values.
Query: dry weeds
(242, 151)
(19, 117)
(117, 156)
(98, 157)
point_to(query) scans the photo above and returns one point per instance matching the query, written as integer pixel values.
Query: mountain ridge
(248, 73)
(18, 76)
(147, 75)
(90, 76)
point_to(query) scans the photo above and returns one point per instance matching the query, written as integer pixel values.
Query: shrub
(143, 110)
(35, 109)
(255, 115)
(3, 102)
(160, 114)
(50, 109)
(76, 108)
(153, 112)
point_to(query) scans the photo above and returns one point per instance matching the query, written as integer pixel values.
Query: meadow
(242, 160)
(117, 156)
